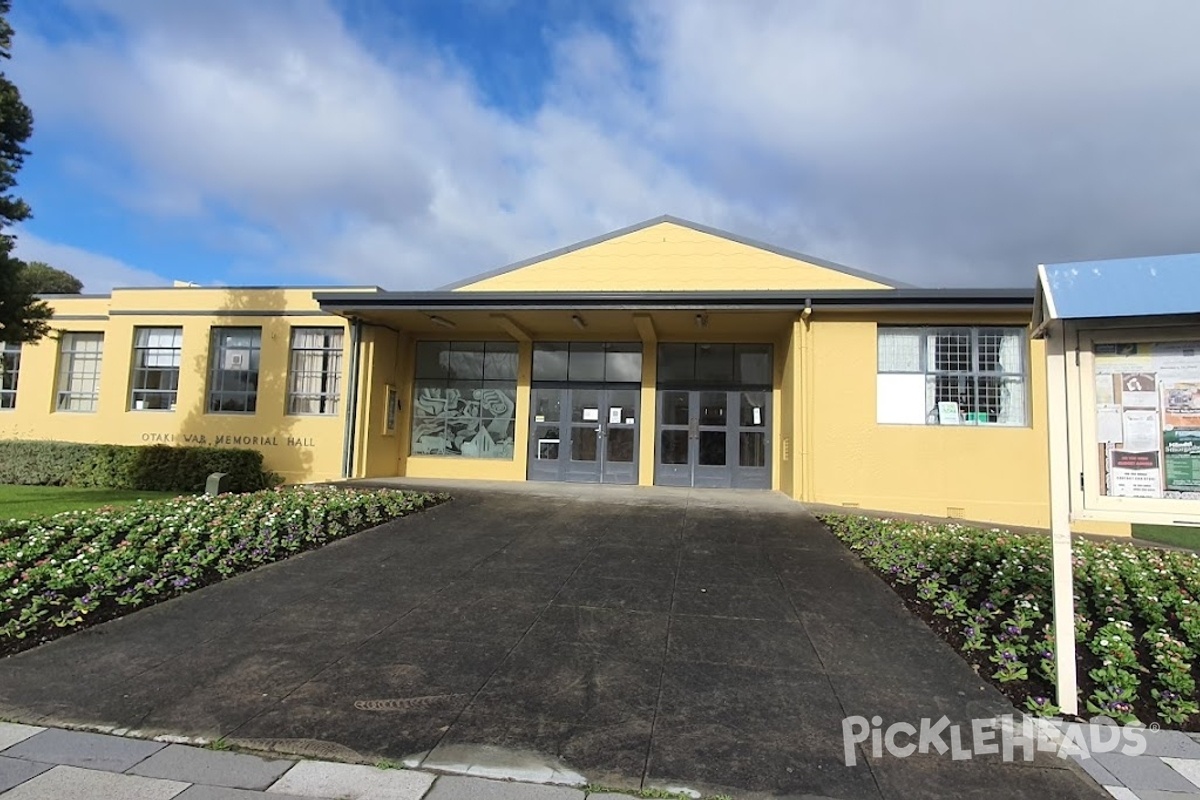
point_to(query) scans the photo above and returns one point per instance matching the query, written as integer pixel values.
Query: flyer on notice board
(1147, 406)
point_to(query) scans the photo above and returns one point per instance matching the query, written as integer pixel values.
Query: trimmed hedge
(156, 467)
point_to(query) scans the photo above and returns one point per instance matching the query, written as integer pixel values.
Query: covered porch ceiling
(762, 316)
(586, 324)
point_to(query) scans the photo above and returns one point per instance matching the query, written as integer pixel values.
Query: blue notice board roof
(1124, 287)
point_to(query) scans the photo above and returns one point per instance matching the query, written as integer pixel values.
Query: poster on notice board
(1147, 414)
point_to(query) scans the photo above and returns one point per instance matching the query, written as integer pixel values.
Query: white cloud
(99, 273)
(954, 143)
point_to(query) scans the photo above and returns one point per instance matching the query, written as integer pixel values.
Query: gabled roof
(695, 226)
(1126, 287)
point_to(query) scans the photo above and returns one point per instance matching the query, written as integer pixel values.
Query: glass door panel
(712, 449)
(752, 449)
(547, 441)
(585, 406)
(583, 443)
(676, 438)
(753, 437)
(675, 408)
(620, 417)
(712, 408)
(546, 444)
(711, 459)
(619, 448)
(673, 446)
(753, 409)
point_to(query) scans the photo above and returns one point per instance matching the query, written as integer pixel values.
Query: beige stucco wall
(669, 257)
(299, 447)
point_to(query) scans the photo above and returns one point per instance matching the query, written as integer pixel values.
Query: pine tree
(23, 318)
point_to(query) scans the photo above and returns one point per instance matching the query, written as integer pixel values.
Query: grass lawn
(25, 502)
(1177, 535)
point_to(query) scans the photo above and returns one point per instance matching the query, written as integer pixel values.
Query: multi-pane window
(10, 372)
(465, 399)
(953, 376)
(156, 356)
(611, 362)
(314, 384)
(233, 370)
(79, 371)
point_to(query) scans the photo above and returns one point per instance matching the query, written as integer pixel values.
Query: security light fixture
(579, 321)
(702, 320)
(445, 323)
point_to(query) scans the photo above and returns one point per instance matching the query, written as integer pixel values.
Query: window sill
(477, 459)
(974, 426)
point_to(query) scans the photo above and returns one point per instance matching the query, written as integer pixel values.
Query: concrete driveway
(639, 638)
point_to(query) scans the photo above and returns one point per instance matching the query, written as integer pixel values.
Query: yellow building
(665, 353)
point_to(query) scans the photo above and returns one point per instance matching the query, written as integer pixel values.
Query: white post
(1060, 519)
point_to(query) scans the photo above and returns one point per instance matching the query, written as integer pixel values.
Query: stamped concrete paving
(633, 638)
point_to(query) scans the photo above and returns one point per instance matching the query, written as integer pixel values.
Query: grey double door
(713, 438)
(584, 434)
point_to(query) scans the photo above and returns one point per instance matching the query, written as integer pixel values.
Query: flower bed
(988, 594)
(74, 569)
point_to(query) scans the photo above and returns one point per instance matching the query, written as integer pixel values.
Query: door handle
(693, 428)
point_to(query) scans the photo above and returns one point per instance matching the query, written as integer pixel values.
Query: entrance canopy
(537, 314)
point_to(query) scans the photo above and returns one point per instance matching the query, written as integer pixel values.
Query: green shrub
(152, 468)
(38, 463)
(108, 466)
(161, 467)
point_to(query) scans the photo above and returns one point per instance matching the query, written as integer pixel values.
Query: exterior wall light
(445, 323)
(579, 321)
(702, 320)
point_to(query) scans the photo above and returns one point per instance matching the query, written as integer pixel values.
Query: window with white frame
(233, 370)
(79, 371)
(314, 386)
(156, 356)
(953, 376)
(10, 372)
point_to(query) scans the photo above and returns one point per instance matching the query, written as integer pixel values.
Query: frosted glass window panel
(461, 410)
(900, 350)
(900, 399)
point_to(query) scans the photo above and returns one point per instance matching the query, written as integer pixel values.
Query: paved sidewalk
(1169, 769)
(54, 764)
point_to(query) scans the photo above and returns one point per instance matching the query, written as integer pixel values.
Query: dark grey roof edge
(331, 287)
(861, 298)
(696, 226)
(108, 295)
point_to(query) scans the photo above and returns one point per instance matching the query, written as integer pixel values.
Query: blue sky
(408, 144)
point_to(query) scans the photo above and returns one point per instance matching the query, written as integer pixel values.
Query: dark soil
(1035, 686)
(110, 609)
